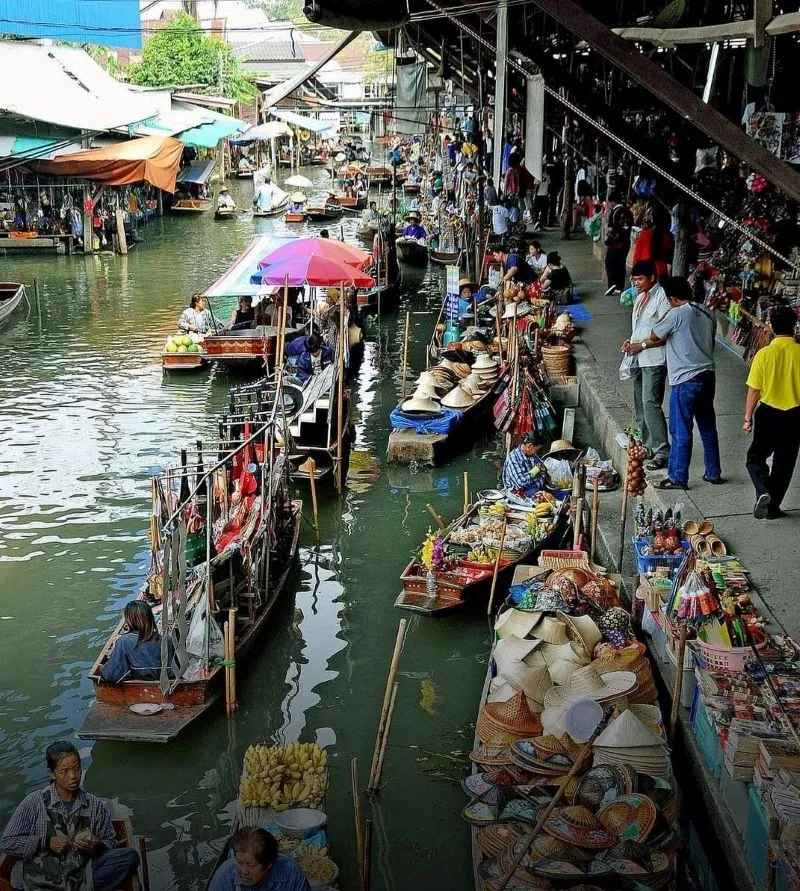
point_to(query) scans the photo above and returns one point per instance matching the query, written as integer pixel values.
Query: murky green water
(85, 418)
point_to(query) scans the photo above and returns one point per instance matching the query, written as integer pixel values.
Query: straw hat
(577, 825)
(533, 681)
(586, 681)
(297, 197)
(458, 398)
(583, 629)
(568, 652)
(465, 282)
(514, 716)
(627, 731)
(512, 649)
(424, 405)
(553, 631)
(629, 816)
(426, 391)
(564, 449)
(484, 362)
(561, 671)
(517, 310)
(515, 622)
(460, 369)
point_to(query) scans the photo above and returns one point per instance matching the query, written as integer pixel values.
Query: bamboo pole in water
(387, 697)
(466, 491)
(357, 816)
(405, 357)
(436, 516)
(340, 399)
(312, 478)
(367, 864)
(385, 741)
(232, 656)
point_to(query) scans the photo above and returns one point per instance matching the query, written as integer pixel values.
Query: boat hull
(191, 205)
(320, 214)
(412, 252)
(275, 212)
(11, 294)
(294, 217)
(183, 361)
(446, 258)
(224, 214)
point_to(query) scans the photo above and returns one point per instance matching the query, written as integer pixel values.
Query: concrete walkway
(769, 548)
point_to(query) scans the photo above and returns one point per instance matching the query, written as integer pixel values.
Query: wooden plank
(107, 721)
(667, 37)
(784, 24)
(682, 100)
(762, 13)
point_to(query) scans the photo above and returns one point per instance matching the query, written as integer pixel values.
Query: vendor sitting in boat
(370, 215)
(224, 200)
(245, 315)
(414, 228)
(313, 359)
(244, 165)
(297, 202)
(515, 269)
(257, 864)
(523, 470)
(195, 319)
(64, 836)
(466, 296)
(137, 653)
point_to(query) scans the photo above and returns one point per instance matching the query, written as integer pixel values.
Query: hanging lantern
(355, 15)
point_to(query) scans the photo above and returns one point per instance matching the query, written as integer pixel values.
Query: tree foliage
(280, 10)
(181, 54)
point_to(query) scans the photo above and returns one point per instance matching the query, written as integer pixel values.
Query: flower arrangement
(432, 553)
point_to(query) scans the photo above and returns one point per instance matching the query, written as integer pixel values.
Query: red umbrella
(317, 247)
(315, 271)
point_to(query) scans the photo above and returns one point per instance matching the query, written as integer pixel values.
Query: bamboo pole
(497, 567)
(577, 523)
(312, 478)
(436, 516)
(145, 865)
(385, 741)
(530, 839)
(387, 696)
(232, 657)
(340, 399)
(624, 519)
(367, 864)
(282, 325)
(678, 687)
(466, 491)
(594, 519)
(358, 822)
(405, 357)
(226, 650)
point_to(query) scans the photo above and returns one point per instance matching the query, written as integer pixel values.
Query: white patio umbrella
(299, 182)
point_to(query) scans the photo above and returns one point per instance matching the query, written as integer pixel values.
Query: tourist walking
(772, 414)
(688, 330)
(650, 377)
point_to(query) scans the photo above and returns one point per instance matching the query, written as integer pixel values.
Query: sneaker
(761, 510)
(658, 463)
(717, 482)
(612, 290)
(671, 484)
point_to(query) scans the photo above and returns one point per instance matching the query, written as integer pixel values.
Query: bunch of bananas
(498, 509)
(479, 555)
(318, 868)
(284, 776)
(543, 497)
(543, 510)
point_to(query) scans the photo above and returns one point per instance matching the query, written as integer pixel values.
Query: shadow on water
(87, 417)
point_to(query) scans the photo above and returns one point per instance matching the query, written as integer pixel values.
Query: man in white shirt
(650, 378)
(500, 217)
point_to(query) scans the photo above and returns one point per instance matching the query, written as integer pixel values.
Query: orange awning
(152, 158)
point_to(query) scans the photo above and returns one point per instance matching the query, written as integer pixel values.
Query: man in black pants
(772, 414)
(618, 243)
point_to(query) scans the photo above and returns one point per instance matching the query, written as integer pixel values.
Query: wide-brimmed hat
(421, 404)
(564, 449)
(474, 384)
(627, 731)
(551, 630)
(577, 825)
(586, 681)
(223, 189)
(549, 600)
(570, 652)
(582, 629)
(517, 310)
(414, 215)
(458, 398)
(465, 283)
(515, 622)
(297, 197)
(484, 362)
(629, 816)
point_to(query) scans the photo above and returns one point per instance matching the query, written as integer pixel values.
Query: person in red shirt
(655, 243)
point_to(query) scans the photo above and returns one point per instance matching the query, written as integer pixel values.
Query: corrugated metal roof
(65, 86)
(77, 21)
(281, 50)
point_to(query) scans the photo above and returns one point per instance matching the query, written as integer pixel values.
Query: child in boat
(64, 836)
(257, 864)
(137, 654)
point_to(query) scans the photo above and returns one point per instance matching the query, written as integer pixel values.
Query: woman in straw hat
(523, 470)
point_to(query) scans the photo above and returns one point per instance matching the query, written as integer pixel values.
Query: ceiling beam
(669, 37)
(762, 15)
(682, 100)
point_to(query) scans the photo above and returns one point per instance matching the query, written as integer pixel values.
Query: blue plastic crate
(649, 562)
(756, 839)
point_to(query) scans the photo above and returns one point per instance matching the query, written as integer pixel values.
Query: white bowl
(301, 822)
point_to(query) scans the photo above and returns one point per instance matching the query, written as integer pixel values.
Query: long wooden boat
(245, 174)
(359, 202)
(11, 294)
(463, 582)
(380, 298)
(446, 258)
(224, 213)
(412, 251)
(367, 233)
(275, 211)
(110, 716)
(191, 205)
(329, 211)
(293, 217)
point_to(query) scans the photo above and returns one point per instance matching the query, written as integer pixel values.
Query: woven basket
(557, 359)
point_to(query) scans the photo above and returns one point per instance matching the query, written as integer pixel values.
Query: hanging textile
(411, 114)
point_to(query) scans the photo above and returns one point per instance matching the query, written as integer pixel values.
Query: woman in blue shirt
(137, 654)
(257, 864)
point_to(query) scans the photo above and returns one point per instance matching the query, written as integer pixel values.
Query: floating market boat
(224, 213)
(445, 258)
(379, 175)
(191, 205)
(11, 294)
(194, 181)
(413, 251)
(293, 216)
(469, 552)
(275, 211)
(201, 576)
(350, 202)
(329, 211)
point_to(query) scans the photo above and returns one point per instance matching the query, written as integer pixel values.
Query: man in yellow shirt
(772, 415)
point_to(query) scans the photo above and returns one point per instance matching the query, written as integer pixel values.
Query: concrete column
(500, 89)
(534, 126)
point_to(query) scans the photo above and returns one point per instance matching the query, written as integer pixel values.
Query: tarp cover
(412, 113)
(151, 158)
(300, 120)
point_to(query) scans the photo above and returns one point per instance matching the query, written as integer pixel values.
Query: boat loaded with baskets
(479, 551)
(283, 789)
(223, 543)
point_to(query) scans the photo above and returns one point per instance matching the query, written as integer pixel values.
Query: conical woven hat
(515, 622)
(584, 629)
(484, 362)
(568, 652)
(533, 681)
(514, 715)
(458, 398)
(547, 846)
(627, 731)
(426, 390)
(422, 405)
(648, 713)
(500, 690)
(551, 630)
(579, 817)
(587, 682)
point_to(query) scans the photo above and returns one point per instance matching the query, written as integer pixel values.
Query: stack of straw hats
(627, 740)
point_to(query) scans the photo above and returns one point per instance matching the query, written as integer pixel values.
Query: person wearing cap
(523, 470)
(689, 332)
(650, 377)
(315, 357)
(772, 414)
(414, 229)
(224, 200)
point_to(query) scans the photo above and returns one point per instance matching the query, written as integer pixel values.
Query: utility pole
(500, 89)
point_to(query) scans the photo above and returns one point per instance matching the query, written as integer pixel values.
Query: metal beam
(501, 79)
(682, 100)
(668, 37)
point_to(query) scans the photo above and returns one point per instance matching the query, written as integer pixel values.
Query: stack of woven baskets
(557, 359)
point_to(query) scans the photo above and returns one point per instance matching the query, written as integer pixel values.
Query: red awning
(155, 159)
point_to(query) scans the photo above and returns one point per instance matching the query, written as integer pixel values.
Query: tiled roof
(270, 51)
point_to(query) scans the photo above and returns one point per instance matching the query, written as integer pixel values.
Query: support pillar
(534, 126)
(222, 163)
(88, 212)
(500, 75)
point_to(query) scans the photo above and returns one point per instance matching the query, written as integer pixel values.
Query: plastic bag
(560, 473)
(628, 297)
(628, 365)
(201, 625)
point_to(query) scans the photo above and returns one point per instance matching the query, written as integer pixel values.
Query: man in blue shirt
(514, 267)
(315, 357)
(257, 864)
(523, 470)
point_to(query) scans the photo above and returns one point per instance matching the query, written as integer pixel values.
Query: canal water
(86, 417)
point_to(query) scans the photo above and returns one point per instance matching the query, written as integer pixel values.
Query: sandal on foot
(671, 484)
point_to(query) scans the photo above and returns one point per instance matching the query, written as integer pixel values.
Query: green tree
(280, 10)
(181, 54)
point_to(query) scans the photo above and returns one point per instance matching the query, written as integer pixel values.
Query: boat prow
(11, 294)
